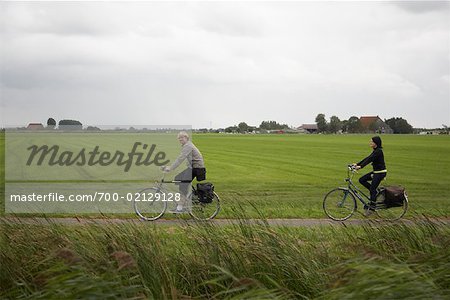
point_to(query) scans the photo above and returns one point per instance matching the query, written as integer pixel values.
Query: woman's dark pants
(375, 179)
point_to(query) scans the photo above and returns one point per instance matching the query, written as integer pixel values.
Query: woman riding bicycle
(379, 169)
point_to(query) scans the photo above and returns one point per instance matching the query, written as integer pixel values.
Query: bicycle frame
(162, 181)
(340, 203)
(351, 187)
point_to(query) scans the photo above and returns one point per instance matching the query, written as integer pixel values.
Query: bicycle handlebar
(352, 168)
(163, 173)
(170, 181)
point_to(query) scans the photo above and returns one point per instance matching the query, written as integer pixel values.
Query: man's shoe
(178, 211)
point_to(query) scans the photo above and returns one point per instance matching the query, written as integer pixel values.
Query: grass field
(286, 176)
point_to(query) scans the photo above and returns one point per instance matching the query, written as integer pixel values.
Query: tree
(243, 127)
(70, 125)
(93, 128)
(69, 122)
(335, 124)
(374, 127)
(344, 125)
(272, 125)
(51, 123)
(231, 129)
(399, 125)
(354, 125)
(321, 122)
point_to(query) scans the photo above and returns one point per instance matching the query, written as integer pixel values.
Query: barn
(374, 124)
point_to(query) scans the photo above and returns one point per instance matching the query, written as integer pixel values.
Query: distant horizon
(161, 126)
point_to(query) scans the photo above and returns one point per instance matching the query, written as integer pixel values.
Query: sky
(215, 64)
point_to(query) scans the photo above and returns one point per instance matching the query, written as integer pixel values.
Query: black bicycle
(340, 203)
(150, 204)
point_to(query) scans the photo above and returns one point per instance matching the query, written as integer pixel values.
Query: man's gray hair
(183, 133)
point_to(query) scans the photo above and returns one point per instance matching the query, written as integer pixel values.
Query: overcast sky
(216, 64)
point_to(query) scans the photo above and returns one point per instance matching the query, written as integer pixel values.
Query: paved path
(221, 222)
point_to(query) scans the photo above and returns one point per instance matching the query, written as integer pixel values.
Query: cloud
(420, 7)
(231, 19)
(156, 62)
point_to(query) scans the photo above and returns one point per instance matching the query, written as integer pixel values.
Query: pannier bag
(205, 192)
(394, 196)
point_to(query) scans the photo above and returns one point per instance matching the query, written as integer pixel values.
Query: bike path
(219, 222)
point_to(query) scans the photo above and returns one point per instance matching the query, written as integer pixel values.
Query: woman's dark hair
(377, 141)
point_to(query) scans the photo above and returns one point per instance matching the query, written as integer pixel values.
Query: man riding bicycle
(195, 169)
(379, 170)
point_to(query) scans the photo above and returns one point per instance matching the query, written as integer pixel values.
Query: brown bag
(205, 192)
(394, 196)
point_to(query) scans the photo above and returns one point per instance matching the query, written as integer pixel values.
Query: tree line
(64, 124)
(354, 125)
(334, 125)
(243, 127)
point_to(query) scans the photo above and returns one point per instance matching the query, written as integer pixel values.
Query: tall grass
(243, 260)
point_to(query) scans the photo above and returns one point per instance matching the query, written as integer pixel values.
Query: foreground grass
(139, 261)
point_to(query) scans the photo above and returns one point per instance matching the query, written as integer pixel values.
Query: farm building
(35, 126)
(308, 128)
(374, 124)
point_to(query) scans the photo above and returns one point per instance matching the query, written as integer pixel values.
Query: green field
(286, 176)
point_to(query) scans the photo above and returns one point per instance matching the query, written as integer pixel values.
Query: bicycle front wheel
(339, 204)
(149, 205)
(205, 211)
(390, 213)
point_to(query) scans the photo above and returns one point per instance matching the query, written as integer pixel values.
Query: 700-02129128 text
(96, 197)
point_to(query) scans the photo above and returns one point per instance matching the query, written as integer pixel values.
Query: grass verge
(243, 260)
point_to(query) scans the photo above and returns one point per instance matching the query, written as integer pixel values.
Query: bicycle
(150, 204)
(340, 203)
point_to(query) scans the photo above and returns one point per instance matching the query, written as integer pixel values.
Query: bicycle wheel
(390, 213)
(204, 211)
(148, 205)
(339, 204)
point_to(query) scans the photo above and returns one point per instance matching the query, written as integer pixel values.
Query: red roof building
(35, 126)
(374, 124)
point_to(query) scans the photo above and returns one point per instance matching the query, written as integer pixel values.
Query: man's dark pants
(375, 179)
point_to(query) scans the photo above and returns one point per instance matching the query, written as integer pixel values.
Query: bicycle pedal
(368, 212)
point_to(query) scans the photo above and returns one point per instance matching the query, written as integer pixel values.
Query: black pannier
(205, 192)
(394, 196)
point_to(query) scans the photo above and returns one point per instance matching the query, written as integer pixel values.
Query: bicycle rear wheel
(148, 204)
(339, 204)
(204, 211)
(390, 213)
